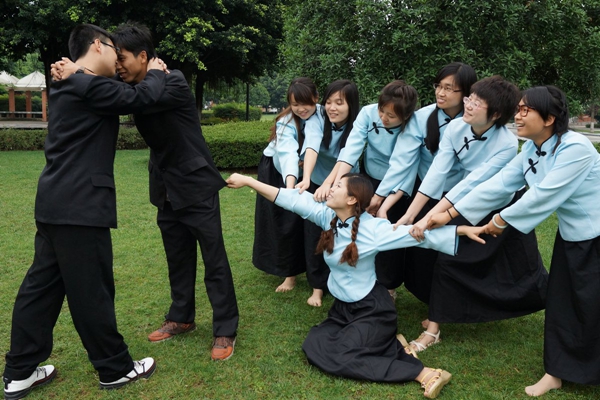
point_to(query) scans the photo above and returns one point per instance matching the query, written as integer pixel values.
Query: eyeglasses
(523, 109)
(475, 104)
(447, 89)
(115, 48)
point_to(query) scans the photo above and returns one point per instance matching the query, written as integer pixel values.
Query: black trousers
(180, 230)
(75, 261)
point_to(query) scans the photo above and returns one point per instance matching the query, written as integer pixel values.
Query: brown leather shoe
(170, 329)
(222, 348)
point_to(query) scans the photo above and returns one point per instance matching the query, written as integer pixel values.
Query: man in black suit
(74, 210)
(184, 186)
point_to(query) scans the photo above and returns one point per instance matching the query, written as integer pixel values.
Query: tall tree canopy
(375, 41)
(211, 41)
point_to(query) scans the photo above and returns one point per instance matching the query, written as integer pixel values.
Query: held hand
(418, 230)
(62, 69)
(374, 205)
(438, 220)
(322, 192)
(156, 63)
(236, 181)
(472, 232)
(490, 229)
(303, 185)
(404, 220)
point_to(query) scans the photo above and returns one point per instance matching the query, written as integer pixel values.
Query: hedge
(232, 145)
(235, 112)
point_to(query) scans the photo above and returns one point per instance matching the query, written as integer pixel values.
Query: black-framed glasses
(523, 110)
(115, 48)
(447, 89)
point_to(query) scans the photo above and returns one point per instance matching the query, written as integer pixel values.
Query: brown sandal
(434, 385)
(407, 348)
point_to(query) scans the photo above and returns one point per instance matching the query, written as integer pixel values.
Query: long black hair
(464, 77)
(349, 92)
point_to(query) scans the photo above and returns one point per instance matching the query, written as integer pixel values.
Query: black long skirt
(572, 329)
(358, 340)
(317, 271)
(419, 263)
(389, 265)
(278, 233)
(505, 278)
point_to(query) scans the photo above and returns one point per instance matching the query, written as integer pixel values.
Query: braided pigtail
(326, 240)
(350, 254)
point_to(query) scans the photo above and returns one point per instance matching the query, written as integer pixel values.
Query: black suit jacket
(77, 184)
(180, 162)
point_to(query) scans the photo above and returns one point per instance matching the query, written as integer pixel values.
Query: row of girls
(423, 165)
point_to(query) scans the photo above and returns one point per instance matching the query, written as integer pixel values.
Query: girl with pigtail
(358, 339)
(561, 169)
(379, 131)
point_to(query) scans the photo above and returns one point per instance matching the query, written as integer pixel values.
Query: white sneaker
(142, 369)
(18, 389)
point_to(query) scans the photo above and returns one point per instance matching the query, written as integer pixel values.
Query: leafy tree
(211, 41)
(373, 42)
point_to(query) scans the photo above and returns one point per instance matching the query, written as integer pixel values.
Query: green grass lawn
(489, 361)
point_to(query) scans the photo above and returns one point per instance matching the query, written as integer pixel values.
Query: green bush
(36, 102)
(235, 112)
(232, 145)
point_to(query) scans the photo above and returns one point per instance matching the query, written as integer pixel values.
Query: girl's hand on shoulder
(418, 230)
(236, 181)
(438, 220)
(373, 207)
(404, 220)
(303, 185)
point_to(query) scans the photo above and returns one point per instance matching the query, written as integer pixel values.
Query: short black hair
(402, 96)
(501, 96)
(135, 38)
(81, 38)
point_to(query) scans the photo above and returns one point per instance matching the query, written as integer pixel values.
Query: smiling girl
(358, 339)
(378, 129)
(428, 125)
(340, 106)
(505, 278)
(561, 169)
(279, 234)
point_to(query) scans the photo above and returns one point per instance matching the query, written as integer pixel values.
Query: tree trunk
(593, 117)
(199, 89)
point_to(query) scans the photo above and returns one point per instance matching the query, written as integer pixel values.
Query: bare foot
(316, 299)
(548, 382)
(287, 285)
(425, 323)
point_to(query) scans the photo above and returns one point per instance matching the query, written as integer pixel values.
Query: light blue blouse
(477, 159)
(402, 163)
(350, 284)
(566, 181)
(380, 142)
(284, 149)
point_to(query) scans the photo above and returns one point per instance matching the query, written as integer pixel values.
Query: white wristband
(496, 225)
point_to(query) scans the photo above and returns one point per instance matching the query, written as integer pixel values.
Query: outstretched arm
(236, 181)
(472, 232)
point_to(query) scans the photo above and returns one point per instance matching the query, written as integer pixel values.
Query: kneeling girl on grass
(358, 339)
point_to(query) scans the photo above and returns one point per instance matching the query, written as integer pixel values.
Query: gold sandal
(434, 385)
(407, 348)
(418, 346)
